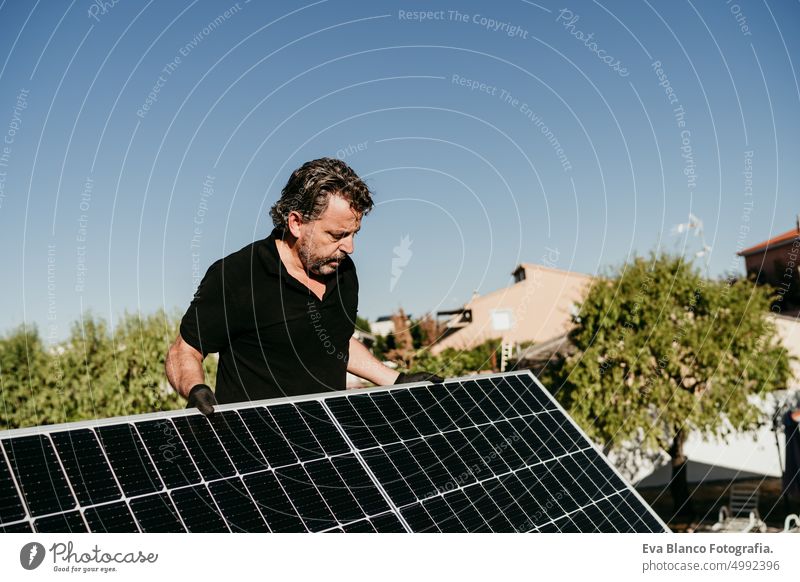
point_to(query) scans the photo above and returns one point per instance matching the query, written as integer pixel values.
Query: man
(281, 311)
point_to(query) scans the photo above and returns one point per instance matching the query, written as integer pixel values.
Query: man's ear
(294, 222)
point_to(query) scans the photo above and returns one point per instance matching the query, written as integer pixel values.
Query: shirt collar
(271, 260)
(268, 253)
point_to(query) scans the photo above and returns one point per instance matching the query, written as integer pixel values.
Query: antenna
(696, 225)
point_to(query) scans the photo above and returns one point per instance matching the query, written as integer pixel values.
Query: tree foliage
(663, 351)
(451, 362)
(362, 324)
(97, 372)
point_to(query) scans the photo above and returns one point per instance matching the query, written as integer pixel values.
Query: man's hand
(202, 398)
(404, 378)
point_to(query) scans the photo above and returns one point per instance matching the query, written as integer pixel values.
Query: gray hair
(310, 187)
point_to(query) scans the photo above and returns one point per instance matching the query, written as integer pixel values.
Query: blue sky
(145, 140)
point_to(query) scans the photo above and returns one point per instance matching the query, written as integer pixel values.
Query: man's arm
(184, 366)
(364, 365)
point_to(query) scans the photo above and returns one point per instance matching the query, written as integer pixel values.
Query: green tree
(379, 347)
(362, 323)
(25, 399)
(418, 335)
(80, 369)
(662, 352)
(451, 363)
(140, 343)
(96, 372)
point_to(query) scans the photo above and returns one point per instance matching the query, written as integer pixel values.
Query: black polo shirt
(273, 334)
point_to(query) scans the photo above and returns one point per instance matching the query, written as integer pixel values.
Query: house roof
(540, 308)
(775, 241)
(539, 356)
(547, 348)
(563, 272)
(533, 267)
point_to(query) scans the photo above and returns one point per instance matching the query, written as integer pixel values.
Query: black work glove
(404, 378)
(202, 398)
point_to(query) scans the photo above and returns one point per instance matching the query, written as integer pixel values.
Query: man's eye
(342, 235)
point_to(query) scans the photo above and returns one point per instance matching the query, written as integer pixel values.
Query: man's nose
(347, 245)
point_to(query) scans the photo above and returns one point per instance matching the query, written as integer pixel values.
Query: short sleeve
(209, 323)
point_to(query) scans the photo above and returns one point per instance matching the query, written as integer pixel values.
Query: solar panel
(477, 454)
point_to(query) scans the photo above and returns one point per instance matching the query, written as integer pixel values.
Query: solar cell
(111, 518)
(130, 462)
(487, 454)
(198, 510)
(204, 447)
(273, 502)
(269, 439)
(337, 496)
(37, 471)
(168, 452)
(237, 442)
(296, 431)
(86, 466)
(364, 489)
(18, 527)
(68, 522)
(156, 514)
(11, 508)
(306, 498)
(237, 506)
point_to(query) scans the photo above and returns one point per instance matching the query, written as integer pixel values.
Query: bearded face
(316, 262)
(325, 242)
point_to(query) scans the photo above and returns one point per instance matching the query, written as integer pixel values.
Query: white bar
(415, 557)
